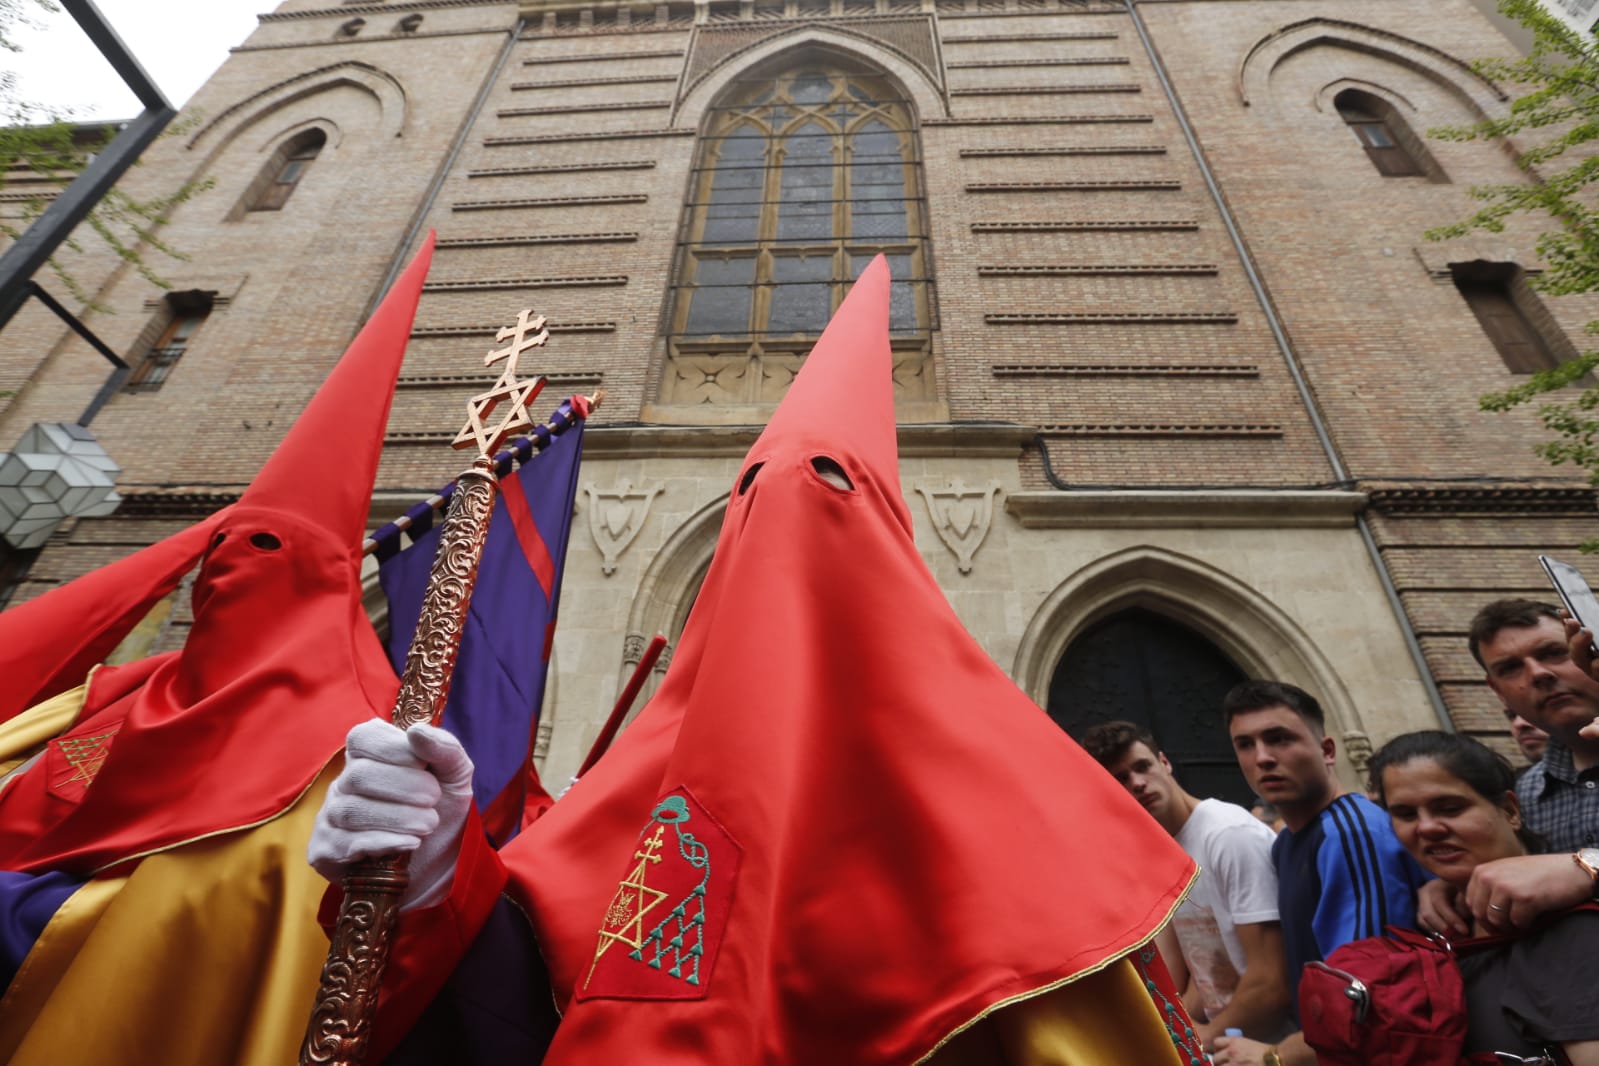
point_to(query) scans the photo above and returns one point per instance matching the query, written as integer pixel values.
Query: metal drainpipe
(402, 252)
(1294, 370)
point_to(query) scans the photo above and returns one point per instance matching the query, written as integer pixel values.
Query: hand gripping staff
(341, 1021)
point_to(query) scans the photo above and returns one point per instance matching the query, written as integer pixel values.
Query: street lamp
(57, 471)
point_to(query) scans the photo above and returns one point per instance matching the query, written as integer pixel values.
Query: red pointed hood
(839, 832)
(842, 401)
(49, 644)
(290, 549)
(279, 663)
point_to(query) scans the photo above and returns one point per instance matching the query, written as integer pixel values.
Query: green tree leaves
(1560, 104)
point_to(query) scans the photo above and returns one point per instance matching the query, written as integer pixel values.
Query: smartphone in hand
(1574, 592)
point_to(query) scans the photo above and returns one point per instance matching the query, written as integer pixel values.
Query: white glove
(398, 791)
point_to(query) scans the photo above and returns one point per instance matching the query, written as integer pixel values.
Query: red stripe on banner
(527, 535)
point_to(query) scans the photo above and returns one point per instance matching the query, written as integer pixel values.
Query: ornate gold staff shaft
(340, 1027)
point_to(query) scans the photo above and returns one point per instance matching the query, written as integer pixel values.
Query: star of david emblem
(624, 918)
(517, 419)
(75, 761)
(528, 332)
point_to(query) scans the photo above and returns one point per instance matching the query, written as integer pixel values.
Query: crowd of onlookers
(1447, 839)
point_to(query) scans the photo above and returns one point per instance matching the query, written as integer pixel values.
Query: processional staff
(340, 1028)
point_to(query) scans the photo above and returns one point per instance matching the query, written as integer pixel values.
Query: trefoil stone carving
(961, 516)
(616, 516)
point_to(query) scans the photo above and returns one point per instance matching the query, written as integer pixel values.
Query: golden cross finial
(651, 847)
(528, 332)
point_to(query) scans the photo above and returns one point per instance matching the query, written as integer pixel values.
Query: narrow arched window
(802, 176)
(1388, 141)
(283, 175)
(1141, 667)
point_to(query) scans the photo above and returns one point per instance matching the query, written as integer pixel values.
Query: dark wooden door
(1141, 667)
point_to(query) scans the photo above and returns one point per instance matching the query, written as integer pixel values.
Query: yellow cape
(1104, 1019)
(204, 954)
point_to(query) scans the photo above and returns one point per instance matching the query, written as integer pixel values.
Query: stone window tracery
(801, 178)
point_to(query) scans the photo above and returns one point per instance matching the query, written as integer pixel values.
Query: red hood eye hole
(829, 471)
(267, 542)
(748, 479)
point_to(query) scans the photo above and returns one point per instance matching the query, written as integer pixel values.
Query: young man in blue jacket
(1342, 875)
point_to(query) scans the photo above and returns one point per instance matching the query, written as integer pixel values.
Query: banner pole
(340, 1028)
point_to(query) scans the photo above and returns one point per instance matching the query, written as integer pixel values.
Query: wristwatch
(1271, 1058)
(1588, 860)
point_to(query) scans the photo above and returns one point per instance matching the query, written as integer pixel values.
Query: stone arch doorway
(1243, 624)
(667, 592)
(1139, 666)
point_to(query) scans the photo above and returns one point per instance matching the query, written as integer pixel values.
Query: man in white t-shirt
(1232, 943)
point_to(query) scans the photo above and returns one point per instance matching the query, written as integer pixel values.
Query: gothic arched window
(1140, 667)
(801, 178)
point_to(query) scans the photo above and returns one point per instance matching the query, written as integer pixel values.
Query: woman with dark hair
(1453, 806)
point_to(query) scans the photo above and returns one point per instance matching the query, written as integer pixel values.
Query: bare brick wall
(1394, 356)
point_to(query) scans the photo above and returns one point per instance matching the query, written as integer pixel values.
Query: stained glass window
(801, 177)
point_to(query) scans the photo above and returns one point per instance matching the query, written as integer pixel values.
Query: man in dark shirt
(1528, 737)
(1523, 647)
(1342, 874)
(1526, 650)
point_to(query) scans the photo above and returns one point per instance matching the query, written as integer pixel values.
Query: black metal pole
(24, 258)
(120, 369)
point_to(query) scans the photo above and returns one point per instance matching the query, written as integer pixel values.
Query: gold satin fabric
(24, 736)
(202, 955)
(1103, 1019)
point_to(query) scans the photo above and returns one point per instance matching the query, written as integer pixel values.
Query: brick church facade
(1184, 394)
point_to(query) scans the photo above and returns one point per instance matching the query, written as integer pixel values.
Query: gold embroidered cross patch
(670, 927)
(624, 918)
(86, 755)
(79, 761)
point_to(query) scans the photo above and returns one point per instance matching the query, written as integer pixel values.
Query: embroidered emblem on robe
(75, 759)
(659, 936)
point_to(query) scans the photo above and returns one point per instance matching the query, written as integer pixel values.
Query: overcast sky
(179, 42)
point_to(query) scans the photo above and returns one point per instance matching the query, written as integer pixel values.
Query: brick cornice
(1185, 508)
(174, 504)
(1107, 7)
(1087, 35)
(932, 439)
(1401, 501)
(345, 10)
(1162, 429)
(1085, 225)
(369, 38)
(1114, 318)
